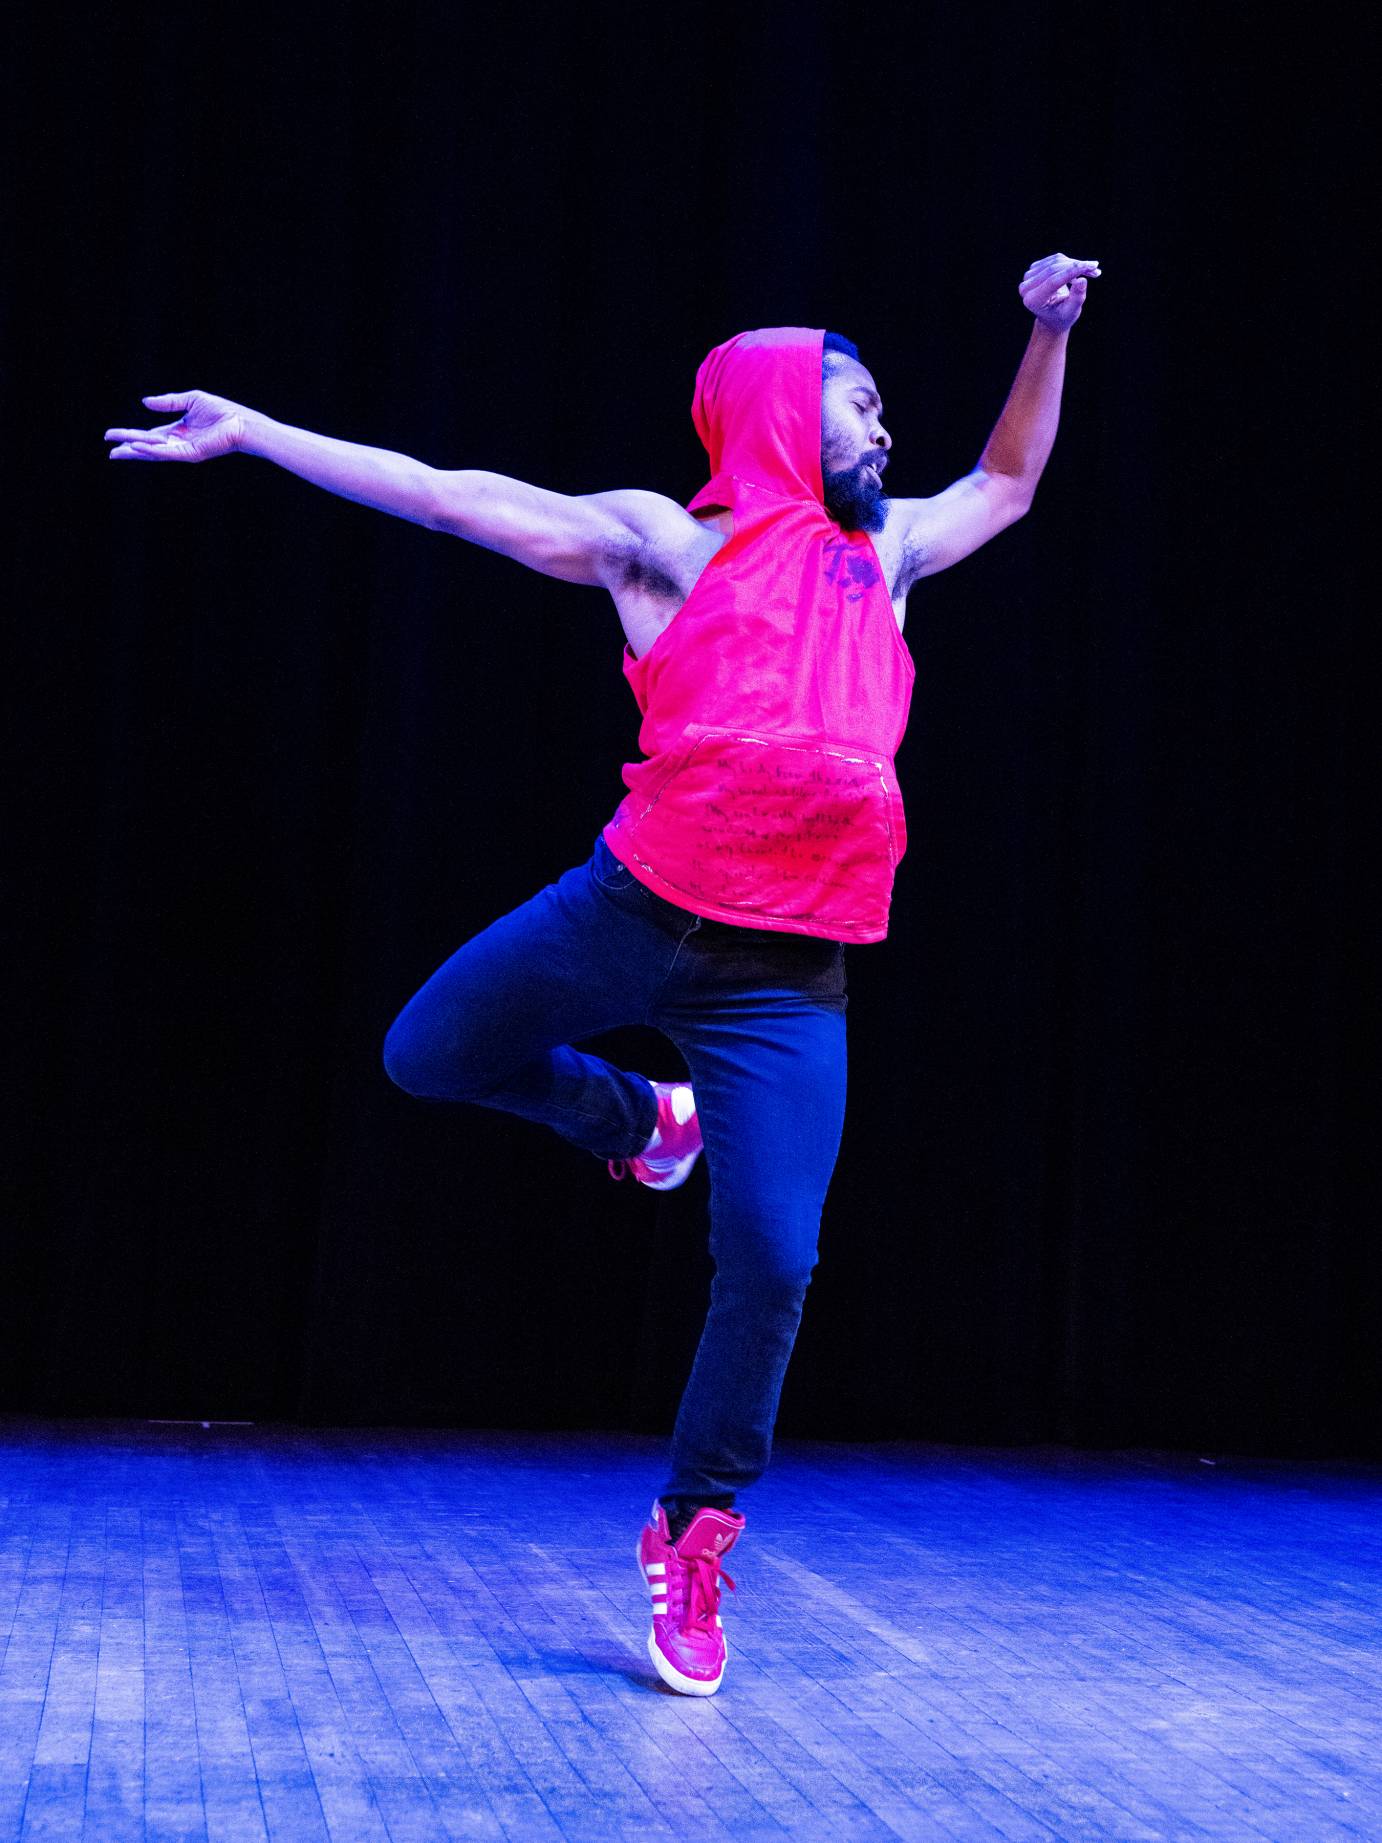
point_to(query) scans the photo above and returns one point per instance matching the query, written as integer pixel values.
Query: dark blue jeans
(759, 1017)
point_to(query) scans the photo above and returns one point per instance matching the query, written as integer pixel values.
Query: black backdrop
(275, 756)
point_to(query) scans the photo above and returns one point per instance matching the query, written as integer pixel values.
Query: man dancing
(758, 836)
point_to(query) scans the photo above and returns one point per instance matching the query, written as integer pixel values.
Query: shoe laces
(704, 1576)
(623, 1170)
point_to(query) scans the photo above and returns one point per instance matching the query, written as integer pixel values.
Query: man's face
(854, 446)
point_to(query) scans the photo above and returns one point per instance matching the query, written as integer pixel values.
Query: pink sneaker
(687, 1642)
(675, 1146)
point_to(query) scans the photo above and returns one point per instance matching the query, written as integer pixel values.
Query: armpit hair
(636, 568)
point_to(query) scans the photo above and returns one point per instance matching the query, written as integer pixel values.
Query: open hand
(207, 426)
(1054, 290)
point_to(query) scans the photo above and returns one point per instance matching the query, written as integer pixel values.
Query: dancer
(758, 836)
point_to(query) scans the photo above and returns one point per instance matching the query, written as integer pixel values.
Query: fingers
(1052, 283)
(1059, 261)
(133, 440)
(1054, 273)
(158, 444)
(139, 435)
(1072, 279)
(145, 449)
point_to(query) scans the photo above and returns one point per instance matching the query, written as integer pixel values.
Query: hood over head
(757, 409)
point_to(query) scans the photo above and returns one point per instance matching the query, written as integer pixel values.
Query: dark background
(274, 756)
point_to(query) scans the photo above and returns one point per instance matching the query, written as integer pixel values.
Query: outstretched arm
(939, 531)
(594, 538)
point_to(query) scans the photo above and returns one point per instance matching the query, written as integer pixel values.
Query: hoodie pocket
(789, 828)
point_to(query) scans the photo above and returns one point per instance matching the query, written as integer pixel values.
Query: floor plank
(245, 1634)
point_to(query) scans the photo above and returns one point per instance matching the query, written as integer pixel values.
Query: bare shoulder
(668, 548)
(925, 536)
(665, 547)
(652, 518)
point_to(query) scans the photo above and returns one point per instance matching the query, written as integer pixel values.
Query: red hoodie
(775, 699)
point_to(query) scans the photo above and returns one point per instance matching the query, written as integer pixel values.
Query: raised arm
(593, 538)
(948, 526)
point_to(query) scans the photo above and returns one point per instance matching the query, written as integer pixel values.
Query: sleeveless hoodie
(774, 701)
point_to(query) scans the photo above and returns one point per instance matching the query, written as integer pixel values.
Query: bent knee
(402, 1064)
(421, 1066)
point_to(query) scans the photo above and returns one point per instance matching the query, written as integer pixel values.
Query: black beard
(853, 502)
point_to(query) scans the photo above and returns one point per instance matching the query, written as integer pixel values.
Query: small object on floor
(666, 1160)
(687, 1640)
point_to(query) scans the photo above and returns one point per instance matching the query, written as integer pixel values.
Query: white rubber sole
(677, 1176)
(672, 1677)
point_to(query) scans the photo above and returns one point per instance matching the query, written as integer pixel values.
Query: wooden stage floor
(250, 1632)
